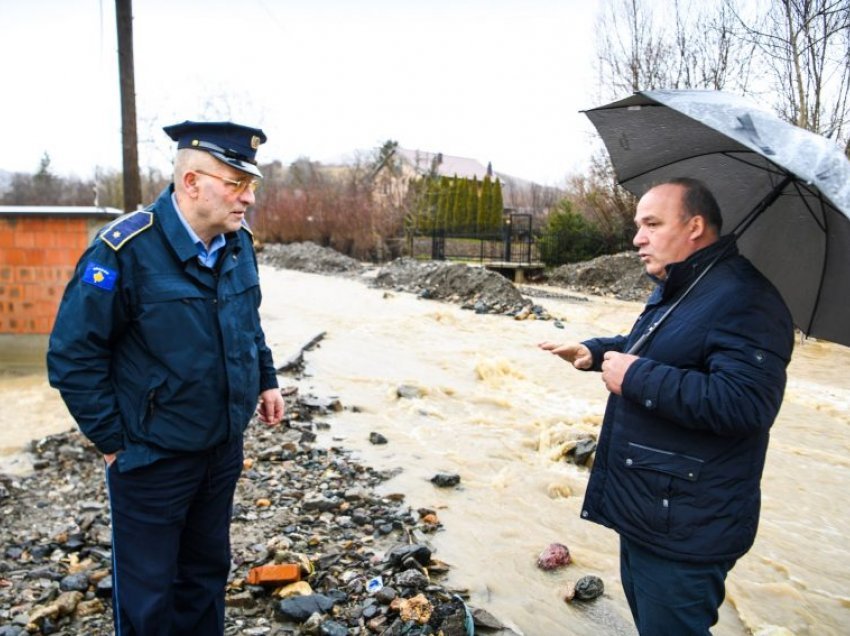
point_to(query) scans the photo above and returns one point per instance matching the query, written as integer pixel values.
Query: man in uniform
(683, 441)
(159, 354)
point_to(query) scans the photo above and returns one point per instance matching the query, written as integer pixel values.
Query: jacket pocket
(662, 478)
(663, 461)
(148, 405)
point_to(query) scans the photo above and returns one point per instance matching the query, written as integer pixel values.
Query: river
(495, 409)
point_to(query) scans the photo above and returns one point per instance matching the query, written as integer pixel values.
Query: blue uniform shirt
(206, 257)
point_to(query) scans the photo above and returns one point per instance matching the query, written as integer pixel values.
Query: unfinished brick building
(39, 247)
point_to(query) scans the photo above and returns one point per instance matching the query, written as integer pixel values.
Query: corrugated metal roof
(58, 210)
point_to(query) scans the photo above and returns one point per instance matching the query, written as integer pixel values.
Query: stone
(319, 502)
(411, 578)
(300, 588)
(377, 624)
(556, 555)
(386, 595)
(332, 628)
(485, 620)
(449, 618)
(589, 587)
(104, 588)
(445, 480)
(583, 450)
(243, 600)
(300, 608)
(377, 438)
(75, 582)
(409, 392)
(312, 624)
(400, 553)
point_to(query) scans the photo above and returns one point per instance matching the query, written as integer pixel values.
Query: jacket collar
(684, 272)
(175, 233)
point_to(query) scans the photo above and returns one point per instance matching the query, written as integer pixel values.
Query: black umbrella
(787, 187)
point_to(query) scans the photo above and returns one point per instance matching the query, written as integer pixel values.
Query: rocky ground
(364, 560)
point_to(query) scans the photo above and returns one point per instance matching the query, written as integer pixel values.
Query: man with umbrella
(683, 441)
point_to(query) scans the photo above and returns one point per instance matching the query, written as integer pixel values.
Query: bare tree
(651, 44)
(631, 52)
(695, 47)
(707, 52)
(805, 47)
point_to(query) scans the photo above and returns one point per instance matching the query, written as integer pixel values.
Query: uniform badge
(100, 276)
(255, 142)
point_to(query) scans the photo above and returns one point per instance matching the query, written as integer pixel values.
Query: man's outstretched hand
(575, 353)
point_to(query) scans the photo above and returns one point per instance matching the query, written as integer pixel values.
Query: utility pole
(129, 139)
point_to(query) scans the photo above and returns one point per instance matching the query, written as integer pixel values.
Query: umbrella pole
(745, 223)
(765, 203)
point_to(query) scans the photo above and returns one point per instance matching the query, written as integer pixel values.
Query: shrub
(568, 237)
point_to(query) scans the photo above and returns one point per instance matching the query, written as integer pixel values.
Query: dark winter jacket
(153, 353)
(681, 452)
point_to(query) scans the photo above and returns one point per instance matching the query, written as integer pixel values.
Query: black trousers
(671, 598)
(171, 542)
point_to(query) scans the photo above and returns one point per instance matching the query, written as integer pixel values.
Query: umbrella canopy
(787, 187)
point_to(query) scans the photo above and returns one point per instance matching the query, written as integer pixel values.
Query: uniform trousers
(671, 598)
(171, 542)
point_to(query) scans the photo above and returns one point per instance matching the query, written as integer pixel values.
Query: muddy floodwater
(496, 410)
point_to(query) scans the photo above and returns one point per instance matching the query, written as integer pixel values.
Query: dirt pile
(473, 287)
(308, 257)
(620, 275)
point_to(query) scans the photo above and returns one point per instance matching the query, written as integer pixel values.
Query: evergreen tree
(418, 206)
(443, 203)
(471, 211)
(433, 197)
(458, 202)
(484, 205)
(497, 205)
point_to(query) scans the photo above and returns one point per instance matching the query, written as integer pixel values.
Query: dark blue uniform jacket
(681, 452)
(154, 354)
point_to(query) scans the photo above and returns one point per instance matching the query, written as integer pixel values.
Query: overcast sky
(496, 80)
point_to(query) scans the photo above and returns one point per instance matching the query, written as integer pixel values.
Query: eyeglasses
(239, 185)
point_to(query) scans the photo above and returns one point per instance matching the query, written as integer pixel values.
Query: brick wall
(37, 259)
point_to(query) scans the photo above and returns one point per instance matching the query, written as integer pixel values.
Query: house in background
(398, 169)
(39, 247)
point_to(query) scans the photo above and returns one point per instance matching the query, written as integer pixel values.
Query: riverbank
(486, 405)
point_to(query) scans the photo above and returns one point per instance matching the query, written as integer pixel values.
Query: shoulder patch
(99, 276)
(116, 234)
